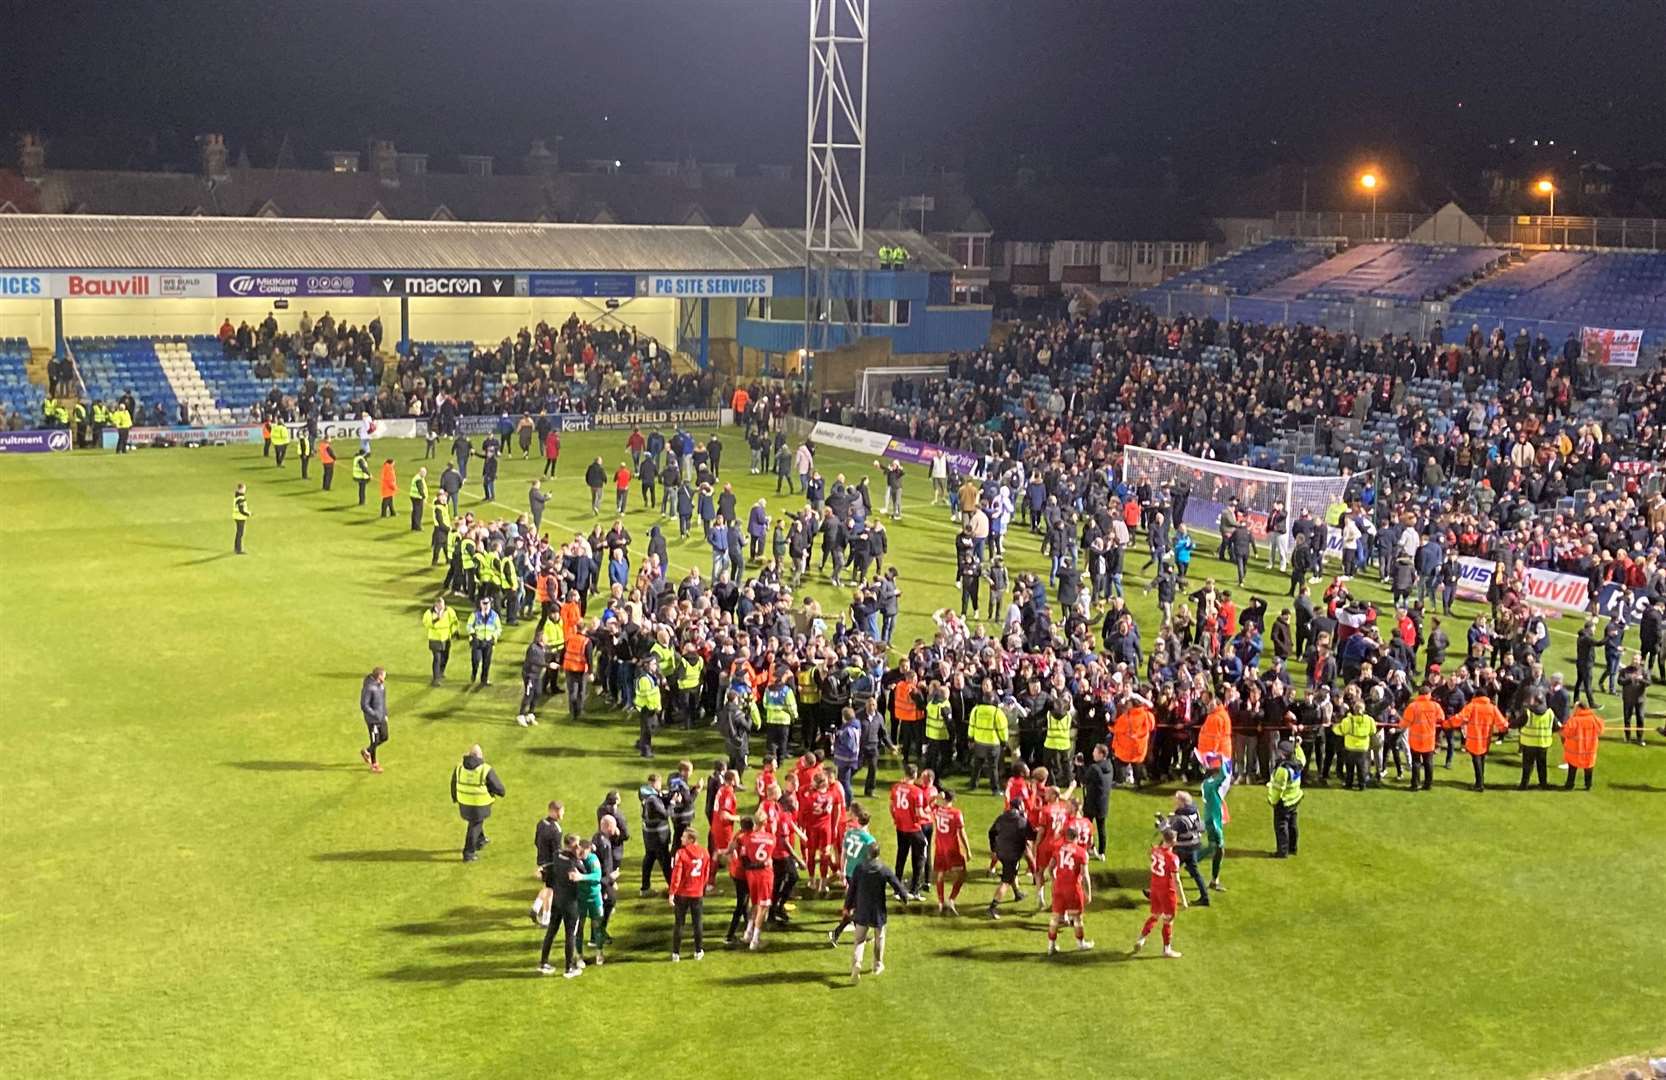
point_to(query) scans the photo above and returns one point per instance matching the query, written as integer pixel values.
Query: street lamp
(1547, 186)
(1370, 181)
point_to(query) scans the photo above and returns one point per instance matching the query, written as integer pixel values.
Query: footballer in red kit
(1072, 890)
(691, 870)
(1166, 894)
(757, 854)
(950, 851)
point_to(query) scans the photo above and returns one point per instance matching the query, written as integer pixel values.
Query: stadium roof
(99, 242)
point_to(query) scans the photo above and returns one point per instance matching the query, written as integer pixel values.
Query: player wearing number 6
(1072, 890)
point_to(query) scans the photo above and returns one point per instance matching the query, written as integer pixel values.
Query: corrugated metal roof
(120, 242)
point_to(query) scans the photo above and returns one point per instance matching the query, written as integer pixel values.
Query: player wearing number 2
(1072, 890)
(1166, 894)
(691, 869)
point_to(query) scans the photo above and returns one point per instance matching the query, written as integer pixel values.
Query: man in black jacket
(1097, 776)
(656, 832)
(546, 842)
(595, 478)
(560, 877)
(373, 705)
(867, 892)
(1010, 840)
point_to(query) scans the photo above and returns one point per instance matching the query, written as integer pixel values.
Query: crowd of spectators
(576, 368)
(1524, 452)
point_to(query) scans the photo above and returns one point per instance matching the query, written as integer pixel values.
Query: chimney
(213, 149)
(31, 157)
(384, 162)
(541, 161)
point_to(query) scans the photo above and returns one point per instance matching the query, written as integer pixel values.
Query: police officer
(474, 784)
(280, 441)
(361, 472)
(440, 623)
(240, 516)
(1060, 740)
(1536, 735)
(373, 706)
(419, 497)
(1284, 794)
(986, 726)
(780, 712)
(648, 706)
(484, 629)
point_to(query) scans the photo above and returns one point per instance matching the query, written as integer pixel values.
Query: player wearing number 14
(1072, 889)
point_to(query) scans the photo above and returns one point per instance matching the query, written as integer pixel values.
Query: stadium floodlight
(835, 173)
(1371, 182)
(1547, 186)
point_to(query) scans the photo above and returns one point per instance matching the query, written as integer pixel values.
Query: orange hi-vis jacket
(575, 656)
(570, 616)
(1423, 717)
(1579, 739)
(1481, 720)
(903, 705)
(326, 453)
(1215, 736)
(390, 481)
(1131, 734)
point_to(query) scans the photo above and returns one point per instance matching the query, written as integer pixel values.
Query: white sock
(861, 947)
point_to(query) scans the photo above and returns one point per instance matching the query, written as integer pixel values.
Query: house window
(1180, 255)
(901, 313)
(1116, 253)
(1080, 253)
(1145, 253)
(1027, 253)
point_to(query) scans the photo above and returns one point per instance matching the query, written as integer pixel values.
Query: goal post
(1209, 487)
(874, 385)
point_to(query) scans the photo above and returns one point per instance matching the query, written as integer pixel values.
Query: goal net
(877, 387)
(1208, 487)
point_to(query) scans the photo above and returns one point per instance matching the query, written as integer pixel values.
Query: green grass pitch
(199, 878)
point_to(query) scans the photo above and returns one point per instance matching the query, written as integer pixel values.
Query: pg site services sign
(711, 286)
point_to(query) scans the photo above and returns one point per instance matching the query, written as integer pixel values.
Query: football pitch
(198, 876)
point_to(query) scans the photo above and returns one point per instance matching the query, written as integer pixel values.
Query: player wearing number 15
(691, 870)
(1072, 890)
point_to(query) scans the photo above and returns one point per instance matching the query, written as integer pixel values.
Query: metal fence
(1369, 317)
(1533, 230)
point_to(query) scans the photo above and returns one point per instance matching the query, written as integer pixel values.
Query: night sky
(954, 82)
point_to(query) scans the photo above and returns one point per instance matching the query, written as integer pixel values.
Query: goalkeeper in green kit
(1215, 787)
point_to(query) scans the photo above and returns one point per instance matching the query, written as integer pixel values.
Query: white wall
(30, 319)
(432, 318)
(491, 320)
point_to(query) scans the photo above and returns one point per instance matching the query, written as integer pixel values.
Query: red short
(1044, 853)
(760, 885)
(818, 836)
(1164, 903)
(1066, 900)
(945, 860)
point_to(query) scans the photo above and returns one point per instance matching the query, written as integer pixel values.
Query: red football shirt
(1056, 818)
(1165, 871)
(904, 795)
(691, 869)
(1069, 864)
(946, 823)
(757, 848)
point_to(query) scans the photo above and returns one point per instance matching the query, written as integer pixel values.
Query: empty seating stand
(17, 393)
(1252, 268)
